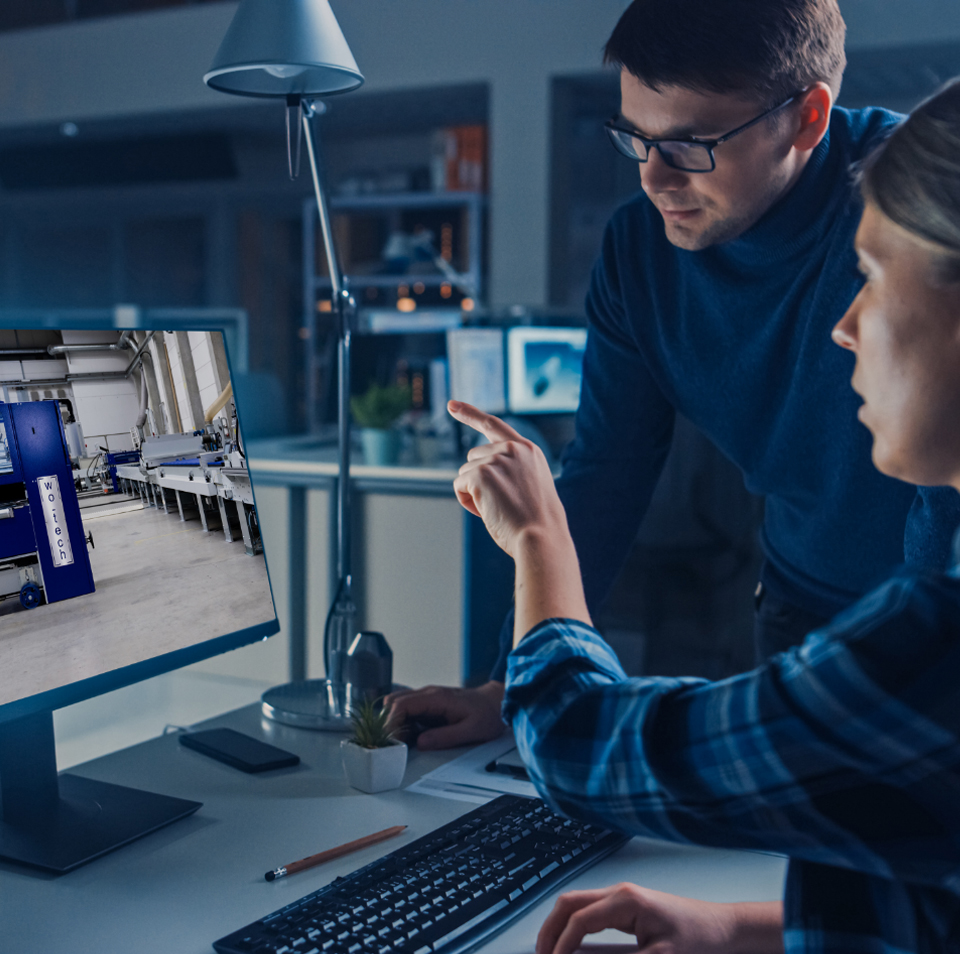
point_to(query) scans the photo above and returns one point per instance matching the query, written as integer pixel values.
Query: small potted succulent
(373, 760)
(376, 411)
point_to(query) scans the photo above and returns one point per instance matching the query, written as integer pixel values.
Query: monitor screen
(545, 367)
(129, 545)
(476, 368)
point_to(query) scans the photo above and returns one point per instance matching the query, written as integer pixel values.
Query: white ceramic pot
(373, 770)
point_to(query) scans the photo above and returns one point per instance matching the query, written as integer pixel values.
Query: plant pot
(380, 447)
(373, 770)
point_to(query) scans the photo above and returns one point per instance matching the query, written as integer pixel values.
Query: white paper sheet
(466, 778)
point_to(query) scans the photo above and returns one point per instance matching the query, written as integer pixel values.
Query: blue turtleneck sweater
(737, 338)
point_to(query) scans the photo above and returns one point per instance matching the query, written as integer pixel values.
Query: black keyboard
(448, 892)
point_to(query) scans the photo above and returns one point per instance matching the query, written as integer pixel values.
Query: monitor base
(90, 819)
(317, 704)
(308, 704)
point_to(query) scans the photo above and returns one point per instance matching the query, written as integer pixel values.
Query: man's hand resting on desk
(662, 923)
(470, 715)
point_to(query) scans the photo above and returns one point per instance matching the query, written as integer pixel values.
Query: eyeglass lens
(689, 156)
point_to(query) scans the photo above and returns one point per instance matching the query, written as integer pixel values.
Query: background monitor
(123, 473)
(545, 368)
(477, 369)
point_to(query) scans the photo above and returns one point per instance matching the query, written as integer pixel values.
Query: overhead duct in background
(121, 344)
(138, 355)
(142, 416)
(24, 383)
(219, 404)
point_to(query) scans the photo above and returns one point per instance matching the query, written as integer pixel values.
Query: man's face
(904, 328)
(753, 170)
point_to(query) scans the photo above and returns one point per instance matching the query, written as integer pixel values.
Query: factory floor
(146, 565)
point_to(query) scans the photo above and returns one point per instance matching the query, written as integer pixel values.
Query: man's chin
(694, 235)
(686, 237)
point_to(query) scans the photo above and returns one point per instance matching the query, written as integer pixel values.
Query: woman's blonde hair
(914, 177)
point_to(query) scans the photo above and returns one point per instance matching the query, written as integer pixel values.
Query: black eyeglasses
(688, 155)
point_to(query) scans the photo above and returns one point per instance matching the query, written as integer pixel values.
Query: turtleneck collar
(798, 219)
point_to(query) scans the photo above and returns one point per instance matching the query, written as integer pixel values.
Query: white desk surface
(181, 888)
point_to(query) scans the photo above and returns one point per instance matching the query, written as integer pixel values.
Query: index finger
(492, 428)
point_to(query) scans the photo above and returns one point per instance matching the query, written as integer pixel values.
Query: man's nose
(656, 176)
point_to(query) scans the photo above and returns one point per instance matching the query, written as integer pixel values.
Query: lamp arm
(343, 307)
(336, 281)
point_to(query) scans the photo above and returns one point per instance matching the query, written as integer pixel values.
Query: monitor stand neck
(29, 787)
(58, 822)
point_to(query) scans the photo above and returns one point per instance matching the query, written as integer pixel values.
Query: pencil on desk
(332, 853)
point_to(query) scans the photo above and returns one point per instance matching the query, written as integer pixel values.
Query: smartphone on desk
(239, 750)
(510, 764)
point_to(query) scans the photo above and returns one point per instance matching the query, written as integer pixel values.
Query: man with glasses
(688, 155)
(714, 296)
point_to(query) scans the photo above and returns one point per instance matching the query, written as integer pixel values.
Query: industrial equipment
(118, 457)
(43, 551)
(203, 470)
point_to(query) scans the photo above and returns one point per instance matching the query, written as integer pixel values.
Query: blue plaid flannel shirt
(843, 754)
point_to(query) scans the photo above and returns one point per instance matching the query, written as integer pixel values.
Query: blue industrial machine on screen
(114, 460)
(43, 548)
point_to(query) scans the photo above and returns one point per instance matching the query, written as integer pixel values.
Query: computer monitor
(128, 549)
(545, 366)
(477, 368)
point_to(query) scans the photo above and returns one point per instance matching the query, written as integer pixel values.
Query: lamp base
(318, 704)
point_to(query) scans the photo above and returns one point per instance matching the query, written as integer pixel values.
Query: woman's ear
(815, 106)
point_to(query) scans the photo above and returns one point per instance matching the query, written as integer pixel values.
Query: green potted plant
(376, 411)
(373, 760)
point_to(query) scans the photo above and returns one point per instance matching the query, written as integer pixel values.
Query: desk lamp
(294, 50)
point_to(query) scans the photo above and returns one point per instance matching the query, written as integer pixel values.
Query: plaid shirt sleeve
(843, 752)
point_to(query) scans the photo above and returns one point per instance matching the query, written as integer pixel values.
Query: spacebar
(469, 916)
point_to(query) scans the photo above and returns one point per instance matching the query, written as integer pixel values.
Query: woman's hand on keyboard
(664, 923)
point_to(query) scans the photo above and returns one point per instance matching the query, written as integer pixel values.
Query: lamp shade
(282, 48)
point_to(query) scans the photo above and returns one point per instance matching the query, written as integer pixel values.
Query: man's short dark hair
(768, 49)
